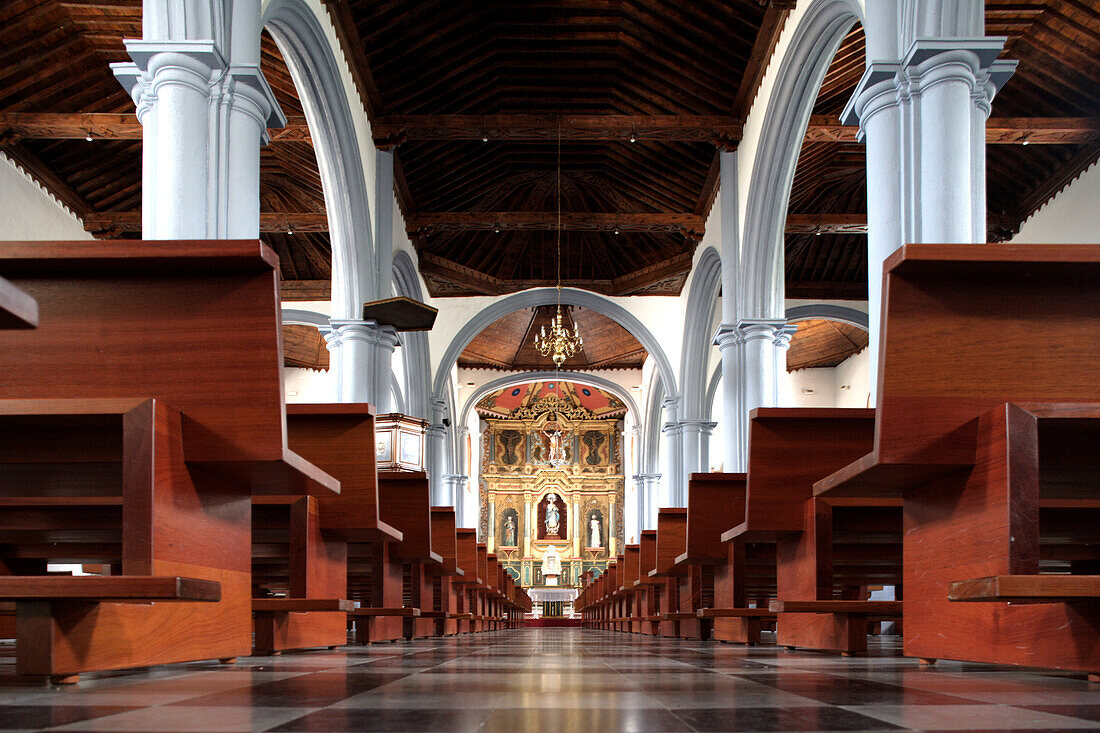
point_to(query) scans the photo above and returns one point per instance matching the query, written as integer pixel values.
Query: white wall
(1070, 217)
(845, 385)
(309, 385)
(27, 212)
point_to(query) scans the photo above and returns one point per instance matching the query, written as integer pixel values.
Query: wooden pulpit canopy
(404, 314)
(17, 309)
(142, 319)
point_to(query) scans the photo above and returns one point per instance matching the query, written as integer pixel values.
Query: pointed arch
(698, 339)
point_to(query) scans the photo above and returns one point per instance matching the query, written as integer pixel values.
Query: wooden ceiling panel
(821, 343)
(508, 343)
(303, 346)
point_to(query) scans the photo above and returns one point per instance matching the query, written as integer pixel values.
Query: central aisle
(560, 680)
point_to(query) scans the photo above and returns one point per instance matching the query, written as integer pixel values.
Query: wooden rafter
(45, 177)
(689, 224)
(826, 224)
(717, 129)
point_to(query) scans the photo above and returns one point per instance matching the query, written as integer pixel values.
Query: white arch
(299, 317)
(702, 297)
(418, 370)
(828, 312)
(590, 380)
(305, 48)
(548, 296)
(815, 42)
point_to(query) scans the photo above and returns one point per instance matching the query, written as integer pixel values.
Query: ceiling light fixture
(559, 344)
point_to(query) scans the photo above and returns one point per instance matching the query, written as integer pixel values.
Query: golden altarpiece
(552, 478)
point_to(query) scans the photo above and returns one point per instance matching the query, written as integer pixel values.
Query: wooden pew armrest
(365, 611)
(286, 605)
(735, 613)
(890, 609)
(1028, 589)
(112, 589)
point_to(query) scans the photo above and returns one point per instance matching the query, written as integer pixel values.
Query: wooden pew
(716, 502)
(484, 590)
(647, 600)
(299, 577)
(821, 551)
(404, 501)
(671, 541)
(450, 592)
(332, 436)
(631, 572)
(986, 429)
(143, 447)
(494, 607)
(470, 582)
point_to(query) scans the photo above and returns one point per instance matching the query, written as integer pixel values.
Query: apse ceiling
(472, 98)
(536, 397)
(821, 343)
(508, 342)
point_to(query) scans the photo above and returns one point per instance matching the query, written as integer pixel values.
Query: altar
(551, 481)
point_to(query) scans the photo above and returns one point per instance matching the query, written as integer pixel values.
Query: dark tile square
(778, 719)
(555, 720)
(307, 691)
(334, 719)
(47, 716)
(1084, 712)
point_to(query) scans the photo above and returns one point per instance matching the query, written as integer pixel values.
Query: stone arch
(548, 296)
(415, 343)
(297, 31)
(712, 389)
(702, 296)
(827, 312)
(815, 43)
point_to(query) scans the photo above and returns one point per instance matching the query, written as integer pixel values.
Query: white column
(727, 338)
(451, 484)
(734, 442)
(437, 455)
(529, 525)
(490, 541)
(923, 119)
(647, 498)
(674, 455)
(204, 118)
(361, 356)
(696, 446)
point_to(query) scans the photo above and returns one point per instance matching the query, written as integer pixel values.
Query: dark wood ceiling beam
(535, 128)
(775, 17)
(303, 290)
(107, 126)
(354, 53)
(998, 130)
(826, 224)
(120, 222)
(688, 224)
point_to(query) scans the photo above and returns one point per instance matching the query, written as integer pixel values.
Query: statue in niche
(552, 517)
(595, 531)
(509, 530)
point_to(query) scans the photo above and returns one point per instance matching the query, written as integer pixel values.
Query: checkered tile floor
(562, 680)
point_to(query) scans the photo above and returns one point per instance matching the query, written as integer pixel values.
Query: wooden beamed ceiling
(473, 99)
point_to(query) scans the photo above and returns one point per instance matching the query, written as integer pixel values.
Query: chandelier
(559, 344)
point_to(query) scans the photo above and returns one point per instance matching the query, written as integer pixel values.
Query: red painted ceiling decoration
(525, 398)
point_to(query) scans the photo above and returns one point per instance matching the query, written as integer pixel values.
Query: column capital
(339, 332)
(778, 331)
(703, 427)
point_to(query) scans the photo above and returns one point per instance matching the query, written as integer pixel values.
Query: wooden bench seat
(881, 609)
(394, 612)
(735, 613)
(302, 605)
(1028, 589)
(112, 588)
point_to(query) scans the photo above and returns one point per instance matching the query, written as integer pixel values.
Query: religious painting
(553, 521)
(509, 528)
(595, 448)
(509, 448)
(552, 445)
(410, 448)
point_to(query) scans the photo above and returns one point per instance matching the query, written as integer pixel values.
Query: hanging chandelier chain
(559, 344)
